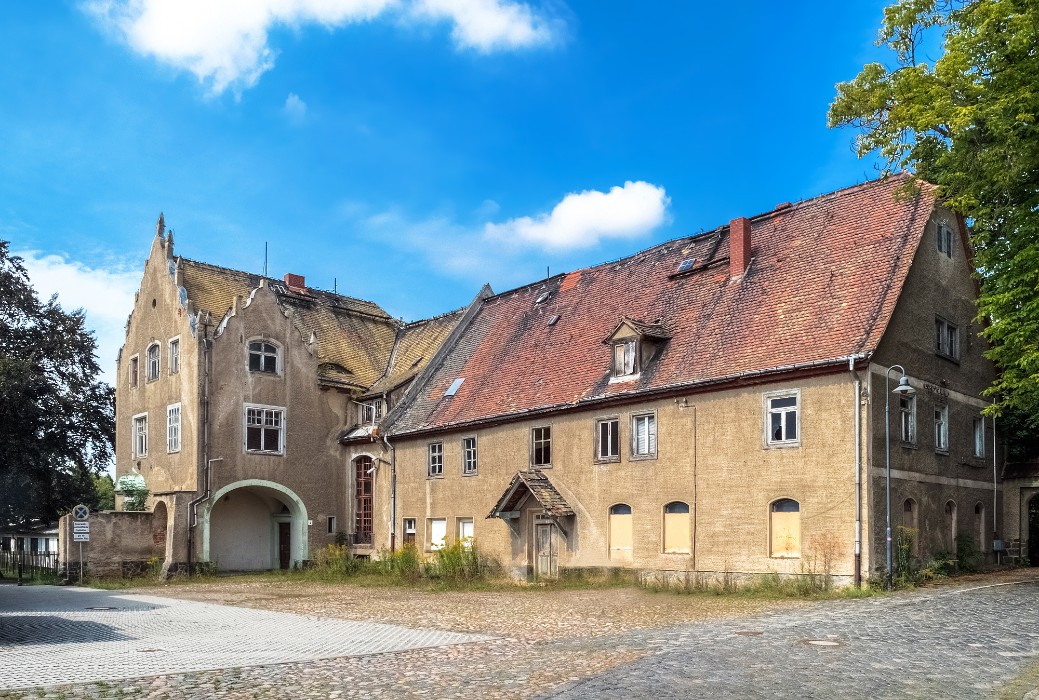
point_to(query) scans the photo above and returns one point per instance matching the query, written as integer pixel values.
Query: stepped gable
(821, 284)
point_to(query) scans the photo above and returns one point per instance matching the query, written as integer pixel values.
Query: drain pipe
(207, 348)
(995, 479)
(393, 494)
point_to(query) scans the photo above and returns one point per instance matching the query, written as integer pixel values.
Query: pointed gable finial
(160, 226)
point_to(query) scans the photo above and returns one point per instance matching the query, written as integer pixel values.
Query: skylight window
(543, 297)
(453, 389)
(552, 321)
(687, 265)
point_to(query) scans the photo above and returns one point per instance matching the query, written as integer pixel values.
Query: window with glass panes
(644, 435)
(607, 439)
(264, 429)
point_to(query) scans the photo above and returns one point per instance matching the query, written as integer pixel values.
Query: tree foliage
(56, 418)
(967, 122)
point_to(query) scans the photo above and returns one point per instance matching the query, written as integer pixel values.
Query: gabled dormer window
(634, 345)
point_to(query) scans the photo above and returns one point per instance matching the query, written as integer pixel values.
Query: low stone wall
(122, 543)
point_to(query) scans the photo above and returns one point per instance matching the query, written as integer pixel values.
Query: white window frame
(979, 436)
(947, 338)
(466, 540)
(282, 428)
(545, 442)
(470, 456)
(173, 428)
(907, 419)
(612, 437)
(331, 524)
(435, 460)
(263, 353)
(771, 410)
(153, 370)
(371, 411)
(941, 427)
(139, 434)
(173, 348)
(650, 449)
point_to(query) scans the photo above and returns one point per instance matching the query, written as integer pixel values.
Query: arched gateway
(254, 525)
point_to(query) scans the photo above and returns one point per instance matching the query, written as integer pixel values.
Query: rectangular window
(174, 356)
(979, 437)
(134, 370)
(465, 531)
(436, 459)
(468, 456)
(907, 414)
(644, 435)
(331, 524)
(782, 418)
(371, 411)
(153, 362)
(140, 435)
(941, 428)
(263, 357)
(541, 446)
(409, 531)
(173, 428)
(437, 529)
(944, 233)
(607, 440)
(625, 358)
(946, 338)
(264, 429)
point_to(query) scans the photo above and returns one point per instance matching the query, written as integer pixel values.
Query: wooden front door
(545, 565)
(284, 545)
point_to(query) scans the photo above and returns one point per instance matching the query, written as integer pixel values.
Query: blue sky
(405, 150)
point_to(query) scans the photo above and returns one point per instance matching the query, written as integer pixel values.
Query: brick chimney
(295, 281)
(739, 246)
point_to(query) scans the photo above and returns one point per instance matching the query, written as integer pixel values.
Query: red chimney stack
(295, 281)
(739, 246)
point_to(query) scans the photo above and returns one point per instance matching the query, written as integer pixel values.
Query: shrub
(968, 556)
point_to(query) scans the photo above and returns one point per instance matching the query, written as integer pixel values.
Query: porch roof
(536, 484)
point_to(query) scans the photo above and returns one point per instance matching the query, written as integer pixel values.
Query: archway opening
(255, 526)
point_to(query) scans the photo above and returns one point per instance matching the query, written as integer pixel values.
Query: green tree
(967, 122)
(56, 418)
(104, 493)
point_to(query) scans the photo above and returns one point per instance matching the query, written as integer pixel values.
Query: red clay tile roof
(825, 276)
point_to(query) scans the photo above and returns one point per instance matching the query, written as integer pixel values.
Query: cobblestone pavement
(963, 640)
(967, 642)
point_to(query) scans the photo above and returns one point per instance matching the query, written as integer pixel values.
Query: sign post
(81, 532)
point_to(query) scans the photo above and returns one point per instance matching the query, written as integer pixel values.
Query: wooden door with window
(284, 545)
(363, 469)
(545, 558)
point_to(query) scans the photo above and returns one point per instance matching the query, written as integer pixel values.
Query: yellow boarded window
(621, 535)
(785, 525)
(676, 528)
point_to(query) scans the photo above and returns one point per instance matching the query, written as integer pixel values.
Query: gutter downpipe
(393, 494)
(858, 469)
(193, 505)
(995, 488)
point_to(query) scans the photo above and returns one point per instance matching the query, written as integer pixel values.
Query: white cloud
(295, 109)
(487, 25)
(582, 219)
(224, 42)
(105, 295)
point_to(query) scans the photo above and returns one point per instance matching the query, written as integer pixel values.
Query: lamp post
(903, 389)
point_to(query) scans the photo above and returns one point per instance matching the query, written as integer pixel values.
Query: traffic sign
(81, 512)
(80, 536)
(81, 526)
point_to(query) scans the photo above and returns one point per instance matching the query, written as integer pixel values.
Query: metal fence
(29, 565)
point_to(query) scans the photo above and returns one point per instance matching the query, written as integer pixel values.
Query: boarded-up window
(621, 534)
(676, 528)
(437, 529)
(785, 526)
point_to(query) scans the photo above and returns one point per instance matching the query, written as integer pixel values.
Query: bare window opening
(469, 463)
(946, 338)
(625, 358)
(435, 463)
(608, 440)
(944, 239)
(907, 415)
(263, 357)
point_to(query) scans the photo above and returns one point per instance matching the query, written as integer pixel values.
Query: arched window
(677, 539)
(153, 361)
(785, 528)
(621, 532)
(264, 357)
(950, 519)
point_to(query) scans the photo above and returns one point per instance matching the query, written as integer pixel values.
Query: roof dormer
(634, 344)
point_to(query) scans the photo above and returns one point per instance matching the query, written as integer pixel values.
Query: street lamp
(903, 389)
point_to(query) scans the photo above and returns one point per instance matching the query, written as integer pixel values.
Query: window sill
(910, 445)
(642, 458)
(264, 452)
(620, 379)
(466, 474)
(784, 556)
(540, 466)
(943, 453)
(950, 358)
(782, 445)
(172, 452)
(607, 460)
(434, 476)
